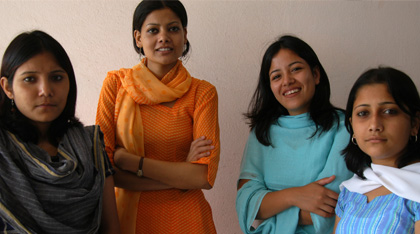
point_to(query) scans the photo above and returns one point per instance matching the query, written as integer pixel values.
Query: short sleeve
(341, 202)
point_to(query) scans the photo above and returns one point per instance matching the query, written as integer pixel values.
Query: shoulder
(115, 76)
(202, 86)
(3, 138)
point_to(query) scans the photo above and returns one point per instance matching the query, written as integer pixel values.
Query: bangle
(140, 171)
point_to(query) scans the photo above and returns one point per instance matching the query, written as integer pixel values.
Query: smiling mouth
(164, 49)
(291, 92)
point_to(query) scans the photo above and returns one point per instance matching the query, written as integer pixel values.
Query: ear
(185, 36)
(6, 87)
(137, 36)
(317, 75)
(415, 124)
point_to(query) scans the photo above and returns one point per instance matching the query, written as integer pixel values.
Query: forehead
(373, 93)
(40, 62)
(161, 16)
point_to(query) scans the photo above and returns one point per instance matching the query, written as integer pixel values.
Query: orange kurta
(168, 133)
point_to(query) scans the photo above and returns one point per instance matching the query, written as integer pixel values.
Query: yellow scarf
(141, 87)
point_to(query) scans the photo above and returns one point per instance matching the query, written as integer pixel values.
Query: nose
(45, 89)
(288, 79)
(163, 36)
(375, 124)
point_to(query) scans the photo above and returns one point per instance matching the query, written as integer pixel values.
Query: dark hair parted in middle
(146, 7)
(403, 90)
(24, 47)
(264, 108)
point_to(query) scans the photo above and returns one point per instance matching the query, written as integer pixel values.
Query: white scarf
(404, 182)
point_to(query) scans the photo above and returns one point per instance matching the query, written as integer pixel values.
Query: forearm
(275, 202)
(109, 219)
(181, 175)
(131, 181)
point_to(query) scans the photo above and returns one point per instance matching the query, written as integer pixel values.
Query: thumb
(325, 180)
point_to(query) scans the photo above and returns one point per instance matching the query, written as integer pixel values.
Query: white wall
(228, 39)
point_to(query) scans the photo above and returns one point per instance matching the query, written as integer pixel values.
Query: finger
(200, 142)
(328, 209)
(326, 180)
(200, 155)
(204, 148)
(324, 214)
(329, 203)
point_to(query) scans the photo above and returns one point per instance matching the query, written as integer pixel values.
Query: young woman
(55, 176)
(292, 166)
(161, 129)
(383, 117)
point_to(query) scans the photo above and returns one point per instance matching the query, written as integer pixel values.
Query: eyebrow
(381, 104)
(156, 24)
(288, 66)
(35, 72)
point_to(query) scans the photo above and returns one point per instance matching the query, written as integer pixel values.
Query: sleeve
(106, 112)
(206, 123)
(250, 196)
(335, 165)
(342, 200)
(417, 212)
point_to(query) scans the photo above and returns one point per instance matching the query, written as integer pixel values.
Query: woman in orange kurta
(161, 129)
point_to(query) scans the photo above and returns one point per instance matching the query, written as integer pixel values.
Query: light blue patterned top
(388, 214)
(294, 160)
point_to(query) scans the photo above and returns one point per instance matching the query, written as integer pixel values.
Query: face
(381, 128)
(292, 81)
(40, 88)
(162, 38)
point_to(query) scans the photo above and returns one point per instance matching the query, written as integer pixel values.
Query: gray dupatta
(41, 196)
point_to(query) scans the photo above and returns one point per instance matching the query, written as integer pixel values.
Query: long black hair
(264, 108)
(24, 47)
(405, 94)
(145, 7)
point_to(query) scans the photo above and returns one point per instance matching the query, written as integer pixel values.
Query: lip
(46, 105)
(291, 91)
(376, 139)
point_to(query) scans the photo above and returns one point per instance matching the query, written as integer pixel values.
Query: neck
(159, 70)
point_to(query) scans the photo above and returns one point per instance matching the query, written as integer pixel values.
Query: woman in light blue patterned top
(383, 117)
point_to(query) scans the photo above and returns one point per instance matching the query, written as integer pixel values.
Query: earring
(353, 140)
(415, 138)
(12, 102)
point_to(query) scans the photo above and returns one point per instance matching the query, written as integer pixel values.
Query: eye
(57, 77)
(390, 111)
(152, 30)
(362, 113)
(29, 79)
(174, 29)
(295, 69)
(275, 77)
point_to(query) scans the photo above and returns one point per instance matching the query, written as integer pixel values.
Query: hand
(317, 199)
(199, 148)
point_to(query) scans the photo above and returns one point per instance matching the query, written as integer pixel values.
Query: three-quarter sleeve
(105, 116)
(206, 123)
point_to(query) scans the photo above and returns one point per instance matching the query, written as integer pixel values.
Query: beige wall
(228, 39)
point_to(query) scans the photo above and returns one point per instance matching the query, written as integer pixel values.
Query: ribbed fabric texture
(388, 214)
(168, 133)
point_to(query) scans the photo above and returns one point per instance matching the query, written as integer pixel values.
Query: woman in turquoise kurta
(292, 164)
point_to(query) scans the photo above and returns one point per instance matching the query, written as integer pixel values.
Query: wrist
(140, 167)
